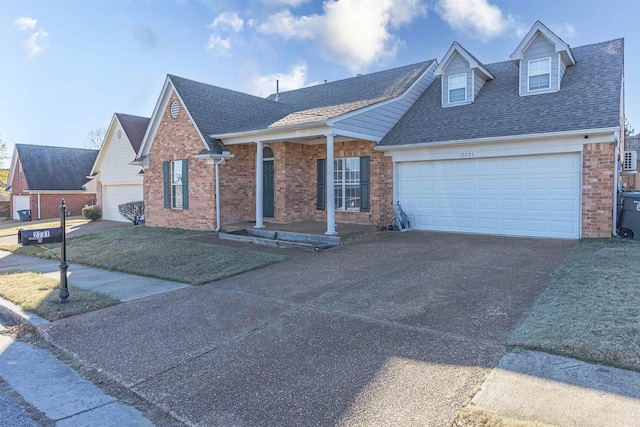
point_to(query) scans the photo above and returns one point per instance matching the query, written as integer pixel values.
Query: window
(176, 184)
(540, 74)
(458, 88)
(347, 183)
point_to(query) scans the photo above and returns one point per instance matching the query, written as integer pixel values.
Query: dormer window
(540, 74)
(458, 88)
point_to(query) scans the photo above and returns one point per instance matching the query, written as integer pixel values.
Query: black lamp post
(64, 290)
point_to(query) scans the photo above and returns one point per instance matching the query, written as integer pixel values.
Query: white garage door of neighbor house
(535, 196)
(20, 203)
(114, 195)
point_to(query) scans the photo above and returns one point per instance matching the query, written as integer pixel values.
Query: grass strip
(591, 309)
(156, 252)
(39, 294)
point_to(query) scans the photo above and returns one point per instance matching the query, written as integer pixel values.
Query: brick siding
(597, 189)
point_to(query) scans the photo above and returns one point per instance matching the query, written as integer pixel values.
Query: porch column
(331, 213)
(259, 185)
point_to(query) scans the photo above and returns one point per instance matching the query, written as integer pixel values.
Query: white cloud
(476, 17)
(567, 31)
(294, 79)
(25, 23)
(34, 45)
(292, 3)
(229, 21)
(220, 46)
(355, 33)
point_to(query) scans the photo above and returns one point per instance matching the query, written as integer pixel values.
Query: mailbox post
(64, 290)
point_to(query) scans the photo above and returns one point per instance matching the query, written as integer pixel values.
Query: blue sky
(66, 66)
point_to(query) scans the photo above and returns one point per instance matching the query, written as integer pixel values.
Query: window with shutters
(347, 183)
(177, 184)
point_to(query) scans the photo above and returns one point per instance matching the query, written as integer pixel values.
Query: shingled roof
(218, 111)
(589, 98)
(134, 127)
(55, 168)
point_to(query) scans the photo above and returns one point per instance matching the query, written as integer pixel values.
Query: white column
(259, 185)
(331, 214)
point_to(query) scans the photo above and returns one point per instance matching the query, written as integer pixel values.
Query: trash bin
(629, 224)
(25, 215)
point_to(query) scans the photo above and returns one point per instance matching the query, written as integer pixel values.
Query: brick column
(598, 161)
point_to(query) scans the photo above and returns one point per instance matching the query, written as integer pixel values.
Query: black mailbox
(41, 236)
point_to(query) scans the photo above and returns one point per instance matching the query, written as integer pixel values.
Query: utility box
(39, 237)
(629, 224)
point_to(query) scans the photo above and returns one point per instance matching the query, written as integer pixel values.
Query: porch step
(282, 239)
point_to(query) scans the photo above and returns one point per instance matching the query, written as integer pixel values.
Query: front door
(267, 190)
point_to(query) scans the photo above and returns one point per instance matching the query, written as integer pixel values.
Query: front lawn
(591, 308)
(156, 252)
(39, 294)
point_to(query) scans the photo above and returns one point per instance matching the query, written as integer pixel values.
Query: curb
(18, 315)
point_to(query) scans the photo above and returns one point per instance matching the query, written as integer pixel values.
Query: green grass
(39, 294)
(156, 252)
(591, 309)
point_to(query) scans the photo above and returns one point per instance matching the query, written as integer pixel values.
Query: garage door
(114, 195)
(520, 196)
(20, 203)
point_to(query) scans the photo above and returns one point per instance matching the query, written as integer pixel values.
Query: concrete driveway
(401, 329)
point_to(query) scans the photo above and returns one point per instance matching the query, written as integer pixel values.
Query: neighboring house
(40, 176)
(526, 147)
(117, 181)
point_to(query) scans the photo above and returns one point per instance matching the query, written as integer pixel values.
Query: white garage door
(114, 195)
(20, 203)
(520, 196)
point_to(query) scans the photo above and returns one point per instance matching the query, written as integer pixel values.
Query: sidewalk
(40, 378)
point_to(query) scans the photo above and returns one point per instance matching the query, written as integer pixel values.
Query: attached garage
(114, 195)
(535, 195)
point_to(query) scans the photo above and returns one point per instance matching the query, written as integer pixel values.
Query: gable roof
(55, 168)
(474, 63)
(590, 98)
(539, 27)
(134, 127)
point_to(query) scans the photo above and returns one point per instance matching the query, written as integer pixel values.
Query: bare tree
(95, 138)
(628, 130)
(133, 211)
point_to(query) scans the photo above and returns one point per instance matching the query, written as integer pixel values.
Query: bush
(133, 211)
(91, 212)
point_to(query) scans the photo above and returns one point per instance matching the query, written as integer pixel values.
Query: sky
(67, 65)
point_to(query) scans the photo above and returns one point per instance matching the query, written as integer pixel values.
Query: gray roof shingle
(135, 128)
(589, 98)
(55, 168)
(217, 111)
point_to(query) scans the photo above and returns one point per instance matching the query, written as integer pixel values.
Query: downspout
(616, 186)
(218, 194)
(39, 205)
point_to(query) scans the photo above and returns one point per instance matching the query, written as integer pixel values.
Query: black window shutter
(364, 184)
(185, 184)
(321, 185)
(167, 184)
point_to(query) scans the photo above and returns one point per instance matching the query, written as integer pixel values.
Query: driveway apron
(400, 329)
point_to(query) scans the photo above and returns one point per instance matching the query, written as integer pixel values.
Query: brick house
(40, 176)
(526, 147)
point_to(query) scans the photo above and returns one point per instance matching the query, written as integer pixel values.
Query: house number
(467, 154)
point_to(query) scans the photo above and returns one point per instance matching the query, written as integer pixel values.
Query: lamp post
(64, 290)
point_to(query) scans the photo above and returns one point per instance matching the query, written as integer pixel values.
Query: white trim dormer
(542, 45)
(457, 62)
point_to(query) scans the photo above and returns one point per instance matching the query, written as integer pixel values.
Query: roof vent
(175, 109)
(119, 133)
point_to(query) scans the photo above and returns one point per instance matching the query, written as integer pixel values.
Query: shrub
(91, 212)
(133, 211)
